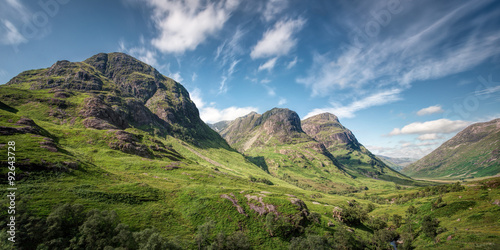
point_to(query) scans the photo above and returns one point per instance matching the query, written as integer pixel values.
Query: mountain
(396, 163)
(124, 92)
(276, 142)
(473, 152)
(108, 153)
(343, 145)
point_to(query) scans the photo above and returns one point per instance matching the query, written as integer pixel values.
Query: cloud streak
(430, 110)
(348, 111)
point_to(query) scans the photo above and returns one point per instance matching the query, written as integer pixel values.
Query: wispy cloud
(227, 76)
(422, 50)
(442, 126)
(430, 110)
(279, 40)
(282, 101)
(292, 63)
(183, 25)
(349, 110)
(11, 35)
(272, 8)
(269, 65)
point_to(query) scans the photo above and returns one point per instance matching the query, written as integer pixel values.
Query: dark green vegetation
(473, 152)
(111, 154)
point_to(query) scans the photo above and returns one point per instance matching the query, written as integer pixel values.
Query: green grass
(176, 195)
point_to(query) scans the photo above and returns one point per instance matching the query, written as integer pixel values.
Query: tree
(397, 219)
(204, 234)
(382, 237)
(97, 231)
(62, 225)
(430, 226)
(311, 241)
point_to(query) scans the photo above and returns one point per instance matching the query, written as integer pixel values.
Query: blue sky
(403, 75)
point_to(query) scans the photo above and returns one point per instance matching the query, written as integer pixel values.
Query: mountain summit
(343, 145)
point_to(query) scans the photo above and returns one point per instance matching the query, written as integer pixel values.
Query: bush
(381, 238)
(397, 219)
(311, 242)
(430, 226)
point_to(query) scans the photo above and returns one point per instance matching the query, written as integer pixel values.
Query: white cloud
(265, 81)
(228, 74)
(211, 114)
(269, 65)
(279, 40)
(429, 137)
(11, 35)
(142, 53)
(422, 50)
(430, 110)
(273, 8)
(349, 111)
(176, 76)
(282, 101)
(194, 77)
(195, 96)
(292, 63)
(183, 25)
(442, 126)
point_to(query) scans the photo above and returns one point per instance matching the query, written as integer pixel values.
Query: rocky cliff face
(473, 152)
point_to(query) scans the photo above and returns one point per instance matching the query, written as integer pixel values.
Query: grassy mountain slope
(473, 152)
(341, 143)
(275, 141)
(85, 140)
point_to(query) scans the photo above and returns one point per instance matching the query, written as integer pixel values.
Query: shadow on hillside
(7, 108)
(260, 161)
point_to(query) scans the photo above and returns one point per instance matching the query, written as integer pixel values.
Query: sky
(404, 76)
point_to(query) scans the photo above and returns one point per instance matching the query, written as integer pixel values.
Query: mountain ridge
(472, 152)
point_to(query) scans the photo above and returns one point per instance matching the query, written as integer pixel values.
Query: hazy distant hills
(473, 152)
(396, 163)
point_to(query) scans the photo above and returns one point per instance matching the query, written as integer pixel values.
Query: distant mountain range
(396, 163)
(473, 152)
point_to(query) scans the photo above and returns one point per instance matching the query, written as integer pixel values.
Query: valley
(112, 154)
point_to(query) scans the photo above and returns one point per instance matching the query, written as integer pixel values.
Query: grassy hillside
(473, 152)
(90, 174)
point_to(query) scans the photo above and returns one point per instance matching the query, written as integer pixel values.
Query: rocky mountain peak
(279, 120)
(328, 117)
(327, 129)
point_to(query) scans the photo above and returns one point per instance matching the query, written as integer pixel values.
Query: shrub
(430, 226)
